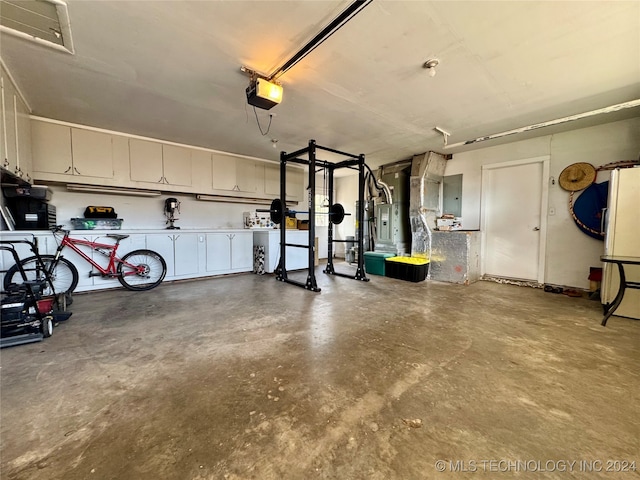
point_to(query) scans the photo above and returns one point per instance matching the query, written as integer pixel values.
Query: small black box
(32, 214)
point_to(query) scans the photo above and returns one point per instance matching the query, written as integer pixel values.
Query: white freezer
(622, 238)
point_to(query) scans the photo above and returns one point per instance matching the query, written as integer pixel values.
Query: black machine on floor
(26, 314)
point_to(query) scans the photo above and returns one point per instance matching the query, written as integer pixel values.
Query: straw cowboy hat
(577, 176)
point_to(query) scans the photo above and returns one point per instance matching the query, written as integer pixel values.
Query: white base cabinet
(297, 258)
(180, 250)
(229, 252)
(188, 254)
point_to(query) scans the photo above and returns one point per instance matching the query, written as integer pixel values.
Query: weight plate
(276, 211)
(336, 213)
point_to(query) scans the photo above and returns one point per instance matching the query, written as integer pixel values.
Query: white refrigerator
(622, 238)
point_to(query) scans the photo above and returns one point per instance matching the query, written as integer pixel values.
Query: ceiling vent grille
(43, 21)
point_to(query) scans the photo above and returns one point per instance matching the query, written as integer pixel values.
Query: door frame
(544, 202)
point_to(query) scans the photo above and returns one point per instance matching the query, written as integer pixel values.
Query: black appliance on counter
(30, 208)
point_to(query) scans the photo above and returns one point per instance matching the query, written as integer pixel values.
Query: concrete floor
(244, 377)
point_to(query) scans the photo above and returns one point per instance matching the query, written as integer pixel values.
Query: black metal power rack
(354, 162)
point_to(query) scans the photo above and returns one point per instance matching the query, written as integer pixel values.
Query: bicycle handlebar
(58, 228)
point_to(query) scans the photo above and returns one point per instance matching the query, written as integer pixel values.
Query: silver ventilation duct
(427, 171)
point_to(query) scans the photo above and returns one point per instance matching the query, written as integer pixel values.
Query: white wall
(347, 195)
(569, 252)
(148, 212)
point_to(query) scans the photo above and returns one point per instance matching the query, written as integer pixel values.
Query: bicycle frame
(112, 248)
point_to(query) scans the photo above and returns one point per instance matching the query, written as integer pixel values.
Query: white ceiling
(171, 70)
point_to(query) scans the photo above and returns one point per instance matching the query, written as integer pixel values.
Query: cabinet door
(92, 153)
(10, 160)
(163, 244)
(145, 161)
(295, 184)
(272, 179)
(242, 251)
(297, 258)
(22, 249)
(24, 141)
(51, 148)
(3, 147)
(201, 171)
(295, 178)
(218, 252)
(223, 172)
(246, 175)
(176, 163)
(186, 254)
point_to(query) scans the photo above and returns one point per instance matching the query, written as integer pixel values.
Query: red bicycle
(137, 270)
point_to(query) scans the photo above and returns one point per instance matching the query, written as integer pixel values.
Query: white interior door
(514, 196)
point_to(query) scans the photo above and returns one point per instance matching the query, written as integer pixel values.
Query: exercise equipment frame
(354, 162)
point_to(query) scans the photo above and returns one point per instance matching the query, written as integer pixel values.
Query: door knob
(535, 229)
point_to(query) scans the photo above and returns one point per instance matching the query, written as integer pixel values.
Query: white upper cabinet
(153, 162)
(3, 140)
(234, 174)
(24, 163)
(15, 131)
(92, 153)
(73, 154)
(176, 162)
(10, 150)
(246, 175)
(63, 150)
(295, 181)
(201, 168)
(51, 148)
(146, 161)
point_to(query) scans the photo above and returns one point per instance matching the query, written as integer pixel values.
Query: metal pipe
(350, 155)
(535, 126)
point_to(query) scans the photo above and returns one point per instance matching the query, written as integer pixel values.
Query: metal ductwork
(427, 172)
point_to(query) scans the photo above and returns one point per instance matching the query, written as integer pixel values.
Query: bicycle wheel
(64, 275)
(141, 270)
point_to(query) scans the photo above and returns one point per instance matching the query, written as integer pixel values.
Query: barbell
(336, 212)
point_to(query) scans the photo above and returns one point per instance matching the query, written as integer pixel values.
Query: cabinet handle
(28, 178)
(76, 170)
(165, 180)
(67, 170)
(160, 181)
(5, 163)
